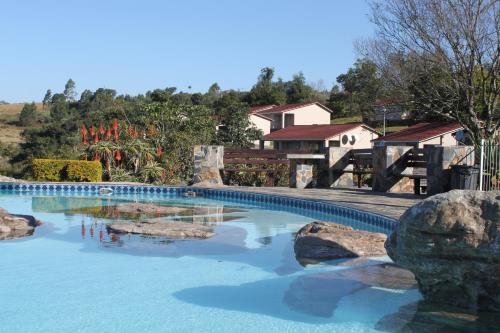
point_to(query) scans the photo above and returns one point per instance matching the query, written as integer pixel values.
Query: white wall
(263, 124)
(445, 140)
(363, 141)
(310, 115)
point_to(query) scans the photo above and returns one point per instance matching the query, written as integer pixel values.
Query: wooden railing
(266, 161)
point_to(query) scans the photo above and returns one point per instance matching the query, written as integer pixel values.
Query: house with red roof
(283, 116)
(318, 137)
(418, 135)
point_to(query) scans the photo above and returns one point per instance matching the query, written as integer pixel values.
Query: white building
(317, 137)
(294, 114)
(418, 135)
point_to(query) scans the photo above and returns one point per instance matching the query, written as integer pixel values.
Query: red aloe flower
(130, 131)
(92, 131)
(101, 130)
(96, 139)
(84, 134)
(118, 155)
(97, 157)
(115, 124)
(135, 133)
(108, 134)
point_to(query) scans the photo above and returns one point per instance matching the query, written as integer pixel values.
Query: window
(289, 120)
(334, 143)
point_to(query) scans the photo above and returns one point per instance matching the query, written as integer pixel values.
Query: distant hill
(9, 115)
(3, 102)
(10, 112)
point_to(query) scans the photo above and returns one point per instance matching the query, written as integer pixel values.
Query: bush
(67, 170)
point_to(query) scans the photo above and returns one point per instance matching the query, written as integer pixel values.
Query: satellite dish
(353, 140)
(460, 135)
(345, 139)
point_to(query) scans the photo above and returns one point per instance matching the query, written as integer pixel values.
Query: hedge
(66, 170)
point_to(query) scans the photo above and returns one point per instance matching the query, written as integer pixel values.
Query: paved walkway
(389, 204)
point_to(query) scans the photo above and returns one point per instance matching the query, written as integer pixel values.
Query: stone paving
(389, 204)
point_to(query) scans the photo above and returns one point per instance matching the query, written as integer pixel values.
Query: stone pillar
(338, 163)
(303, 175)
(439, 160)
(208, 161)
(388, 164)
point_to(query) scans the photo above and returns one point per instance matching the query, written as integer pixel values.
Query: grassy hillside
(357, 119)
(10, 132)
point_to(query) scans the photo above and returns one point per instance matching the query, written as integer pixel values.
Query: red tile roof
(289, 107)
(259, 108)
(310, 132)
(421, 132)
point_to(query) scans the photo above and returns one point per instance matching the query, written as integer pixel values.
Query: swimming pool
(71, 275)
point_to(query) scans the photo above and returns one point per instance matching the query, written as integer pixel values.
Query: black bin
(464, 177)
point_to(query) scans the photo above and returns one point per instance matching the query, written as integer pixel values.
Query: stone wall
(388, 164)
(301, 175)
(338, 163)
(439, 160)
(208, 161)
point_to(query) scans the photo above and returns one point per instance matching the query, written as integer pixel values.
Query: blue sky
(135, 46)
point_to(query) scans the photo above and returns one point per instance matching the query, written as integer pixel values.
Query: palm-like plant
(151, 172)
(138, 153)
(105, 150)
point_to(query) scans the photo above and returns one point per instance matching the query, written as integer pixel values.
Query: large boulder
(451, 242)
(16, 226)
(175, 230)
(327, 240)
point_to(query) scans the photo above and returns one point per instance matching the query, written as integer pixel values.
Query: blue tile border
(282, 201)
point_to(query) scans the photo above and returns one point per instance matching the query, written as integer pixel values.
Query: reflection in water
(127, 210)
(422, 317)
(311, 298)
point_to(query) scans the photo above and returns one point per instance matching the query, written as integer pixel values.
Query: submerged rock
(16, 226)
(319, 294)
(326, 240)
(138, 208)
(451, 242)
(176, 230)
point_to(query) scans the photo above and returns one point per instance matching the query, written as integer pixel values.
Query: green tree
(69, 90)
(235, 128)
(361, 87)
(298, 91)
(212, 95)
(28, 114)
(47, 98)
(59, 107)
(266, 91)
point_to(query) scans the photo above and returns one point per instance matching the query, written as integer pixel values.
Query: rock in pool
(137, 208)
(175, 230)
(16, 226)
(451, 242)
(327, 240)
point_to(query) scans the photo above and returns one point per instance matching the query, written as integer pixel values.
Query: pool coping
(246, 196)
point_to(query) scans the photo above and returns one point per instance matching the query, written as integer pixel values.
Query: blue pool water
(71, 277)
